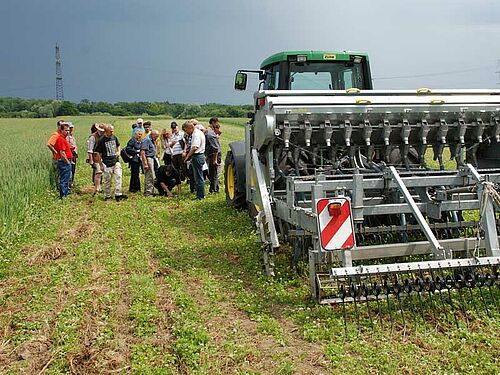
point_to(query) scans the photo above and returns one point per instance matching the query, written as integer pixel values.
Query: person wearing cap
(50, 144)
(63, 157)
(178, 146)
(72, 142)
(96, 130)
(139, 125)
(108, 148)
(213, 154)
(196, 155)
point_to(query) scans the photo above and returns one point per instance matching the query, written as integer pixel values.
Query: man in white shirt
(196, 155)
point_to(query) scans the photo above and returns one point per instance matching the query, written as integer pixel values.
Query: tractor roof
(312, 55)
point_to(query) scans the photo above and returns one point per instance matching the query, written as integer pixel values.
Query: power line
(451, 72)
(25, 88)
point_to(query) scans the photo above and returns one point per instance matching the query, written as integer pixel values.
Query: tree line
(44, 108)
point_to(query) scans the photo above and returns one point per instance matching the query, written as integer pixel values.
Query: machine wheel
(234, 196)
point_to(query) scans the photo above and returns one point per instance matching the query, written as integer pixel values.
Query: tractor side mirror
(240, 81)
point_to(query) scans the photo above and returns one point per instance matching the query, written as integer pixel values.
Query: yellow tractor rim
(230, 181)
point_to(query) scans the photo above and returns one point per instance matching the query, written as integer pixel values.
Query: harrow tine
(468, 283)
(353, 293)
(396, 289)
(407, 287)
(387, 291)
(489, 281)
(365, 293)
(418, 289)
(458, 283)
(438, 286)
(428, 287)
(479, 281)
(342, 295)
(376, 292)
(447, 285)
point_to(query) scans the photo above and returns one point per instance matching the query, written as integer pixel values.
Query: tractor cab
(311, 70)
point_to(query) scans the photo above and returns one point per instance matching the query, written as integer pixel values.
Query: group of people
(192, 154)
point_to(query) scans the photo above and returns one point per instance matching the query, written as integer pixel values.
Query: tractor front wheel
(235, 197)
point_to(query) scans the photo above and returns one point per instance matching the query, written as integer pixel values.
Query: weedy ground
(176, 286)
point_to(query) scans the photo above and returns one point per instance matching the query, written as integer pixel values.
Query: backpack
(126, 157)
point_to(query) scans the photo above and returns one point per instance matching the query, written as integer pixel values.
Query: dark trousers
(73, 167)
(64, 170)
(190, 177)
(167, 159)
(213, 174)
(179, 165)
(197, 161)
(55, 169)
(135, 181)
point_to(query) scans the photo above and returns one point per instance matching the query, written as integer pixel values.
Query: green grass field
(175, 286)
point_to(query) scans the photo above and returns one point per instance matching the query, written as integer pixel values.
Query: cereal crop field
(175, 286)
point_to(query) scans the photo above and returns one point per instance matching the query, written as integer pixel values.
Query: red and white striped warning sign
(335, 223)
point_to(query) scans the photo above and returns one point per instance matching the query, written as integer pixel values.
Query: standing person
(134, 149)
(213, 154)
(165, 139)
(166, 179)
(147, 129)
(50, 144)
(93, 158)
(72, 142)
(189, 168)
(178, 147)
(139, 125)
(205, 166)
(148, 154)
(197, 157)
(108, 148)
(64, 157)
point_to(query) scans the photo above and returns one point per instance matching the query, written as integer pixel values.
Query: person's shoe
(121, 197)
(108, 198)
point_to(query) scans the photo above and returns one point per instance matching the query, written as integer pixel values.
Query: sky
(188, 51)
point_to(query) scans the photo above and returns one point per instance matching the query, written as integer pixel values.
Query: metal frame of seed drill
(378, 192)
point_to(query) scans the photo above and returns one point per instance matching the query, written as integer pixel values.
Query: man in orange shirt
(64, 157)
(50, 144)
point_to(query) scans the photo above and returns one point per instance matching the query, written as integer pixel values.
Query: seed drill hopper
(382, 194)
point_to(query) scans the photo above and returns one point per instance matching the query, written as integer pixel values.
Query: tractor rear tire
(234, 196)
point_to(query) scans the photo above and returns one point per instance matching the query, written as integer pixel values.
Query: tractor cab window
(338, 75)
(272, 78)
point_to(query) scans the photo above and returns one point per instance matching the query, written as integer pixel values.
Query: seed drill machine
(380, 193)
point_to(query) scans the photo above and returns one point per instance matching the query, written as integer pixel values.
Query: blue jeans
(197, 161)
(64, 177)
